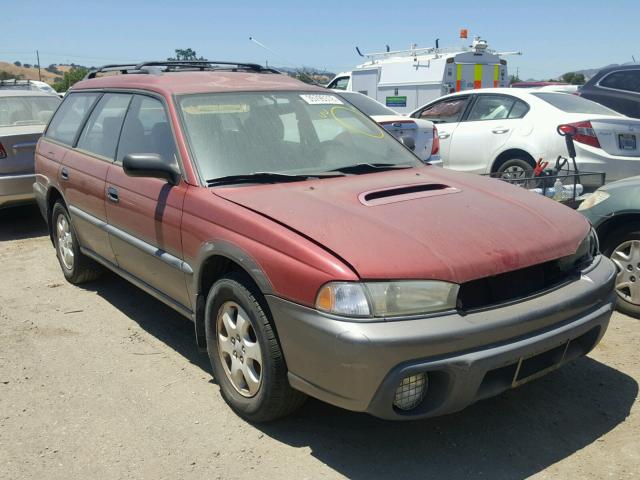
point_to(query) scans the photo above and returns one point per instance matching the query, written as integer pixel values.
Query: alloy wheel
(626, 256)
(65, 242)
(239, 349)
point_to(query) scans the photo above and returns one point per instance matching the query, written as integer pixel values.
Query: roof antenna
(387, 48)
(252, 39)
(437, 43)
(359, 52)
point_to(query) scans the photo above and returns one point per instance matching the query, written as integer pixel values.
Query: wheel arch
(217, 259)
(53, 195)
(627, 218)
(508, 155)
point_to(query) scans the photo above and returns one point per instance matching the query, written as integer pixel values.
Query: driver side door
(145, 214)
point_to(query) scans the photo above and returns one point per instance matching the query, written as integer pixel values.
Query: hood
(422, 222)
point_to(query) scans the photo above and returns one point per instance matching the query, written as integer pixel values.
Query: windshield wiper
(370, 167)
(266, 177)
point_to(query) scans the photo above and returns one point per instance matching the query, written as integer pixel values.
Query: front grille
(517, 284)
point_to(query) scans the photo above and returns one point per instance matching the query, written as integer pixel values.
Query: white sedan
(419, 135)
(506, 130)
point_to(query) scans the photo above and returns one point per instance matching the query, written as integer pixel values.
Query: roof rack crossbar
(177, 65)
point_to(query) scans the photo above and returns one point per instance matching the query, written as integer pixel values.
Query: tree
(53, 68)
(514, 79)
(573, 78)
(26, 65)
(17, 64)
(185, 54)
(72, 76)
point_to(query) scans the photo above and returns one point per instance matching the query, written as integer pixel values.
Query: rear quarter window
(69, 117)
(574, 104)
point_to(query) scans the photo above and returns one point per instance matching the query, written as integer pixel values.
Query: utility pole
(38, 58)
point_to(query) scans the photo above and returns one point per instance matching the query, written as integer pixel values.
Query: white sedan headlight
(594, 199)
(386, 299)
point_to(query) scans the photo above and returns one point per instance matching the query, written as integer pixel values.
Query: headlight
(594, 199)
(587, 250)
(386, 299)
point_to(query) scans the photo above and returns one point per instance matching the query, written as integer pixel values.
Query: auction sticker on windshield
(321, 99)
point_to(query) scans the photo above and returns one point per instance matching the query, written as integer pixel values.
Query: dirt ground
(105, 382)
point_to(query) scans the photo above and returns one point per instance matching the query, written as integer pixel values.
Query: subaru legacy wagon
(315, 254)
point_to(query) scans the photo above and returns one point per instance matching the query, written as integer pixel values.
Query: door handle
(24, 145)
(112, 194)
(500, 130)
(444, 135)
(64, 173)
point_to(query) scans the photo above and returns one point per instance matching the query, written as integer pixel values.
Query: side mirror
(408, 142)
(150, 165)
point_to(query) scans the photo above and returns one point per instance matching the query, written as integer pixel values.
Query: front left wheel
(244, 351)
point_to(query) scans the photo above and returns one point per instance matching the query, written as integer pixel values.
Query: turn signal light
(435, 146)
(3, 152)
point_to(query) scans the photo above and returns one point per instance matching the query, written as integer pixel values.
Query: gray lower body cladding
(358, 365)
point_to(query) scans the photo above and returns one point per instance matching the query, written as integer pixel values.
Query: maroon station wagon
(315, 254)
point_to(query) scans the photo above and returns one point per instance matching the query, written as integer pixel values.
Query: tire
(256, 394)
(513, 168)
(615, 246)
(76, 267)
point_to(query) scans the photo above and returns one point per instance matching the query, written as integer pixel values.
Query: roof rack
(15, 81)
(164, 66)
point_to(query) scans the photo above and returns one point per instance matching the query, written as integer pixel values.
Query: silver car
(23, 117)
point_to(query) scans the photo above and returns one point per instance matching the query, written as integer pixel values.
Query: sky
(553, 36)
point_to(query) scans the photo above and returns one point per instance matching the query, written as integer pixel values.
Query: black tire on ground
(520, 163)
(83, 269)
(274, 398)
(610, 243)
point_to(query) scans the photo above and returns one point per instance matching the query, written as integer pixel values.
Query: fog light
(411, 390)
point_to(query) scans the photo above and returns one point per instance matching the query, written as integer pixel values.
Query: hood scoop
(403, 193)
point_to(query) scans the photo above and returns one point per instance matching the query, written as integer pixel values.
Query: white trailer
(405, 80)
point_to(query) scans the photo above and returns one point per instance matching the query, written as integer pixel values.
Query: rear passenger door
(144, 214)
(83, 172)
(490, 122)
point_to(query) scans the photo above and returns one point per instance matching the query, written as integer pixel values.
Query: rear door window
(69, 117)
(146, 130)
(100, 135)
(496, 107)
(445, 111)
(628, 80)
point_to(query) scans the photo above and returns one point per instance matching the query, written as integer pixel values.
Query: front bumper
(358, 365)
(15, 189)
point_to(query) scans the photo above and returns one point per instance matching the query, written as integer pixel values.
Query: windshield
(26, 110)
(366, 104)
(574, 104)
(283, 132)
